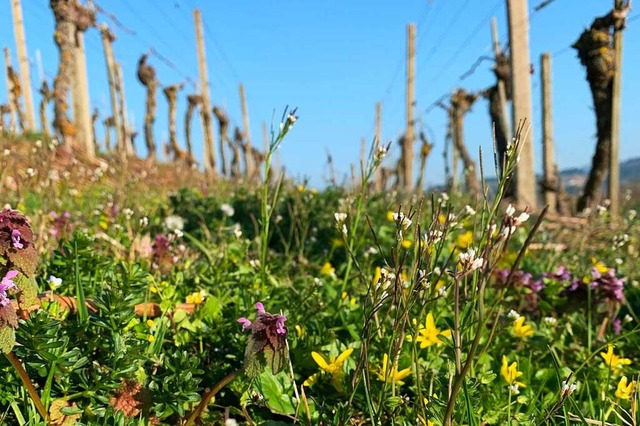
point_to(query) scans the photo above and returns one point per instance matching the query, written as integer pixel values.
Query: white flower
(227, 210)
(627, 318)
(54, 282)
(381, 152)
(174, 222)
(514, 389)
(178, 233)
(513, 315)
(345, 231)
(38, 143)
(230, 422)
(254, 263)
(550, 320)
(567, 389)
(237, 230)
(31, 172)
(402, 220)
(469, 210)
(144, 221)
(127, 212)
(632, 214)
(522, 218)
(601, 209)
(444, 197)
(6, 152)
(340, 217)
(510, 210)
(469, 261)
(442, 291)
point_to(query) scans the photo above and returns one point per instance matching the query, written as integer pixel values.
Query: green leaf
(7, 339)
(277, 391)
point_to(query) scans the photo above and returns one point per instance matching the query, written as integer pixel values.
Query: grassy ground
(398, 310)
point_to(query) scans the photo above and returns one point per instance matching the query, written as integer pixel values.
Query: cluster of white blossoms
(511, 221)
(402, 220)
(469, 262)
(567, 389)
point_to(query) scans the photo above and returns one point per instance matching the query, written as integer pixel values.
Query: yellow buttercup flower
(510, 373)
(600, 266)
(520, 330)
(327, 269)
(333, 367)
(465, 239)
(392, 375)
(613, 361)
(149, 323)
(407, 243)
(151, 338)
(428, 333)
(390, 217)
(299, 330)
(625, 391)
(196, 298)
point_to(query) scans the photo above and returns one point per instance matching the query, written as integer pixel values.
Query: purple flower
(16, 239)
(616, 326)
(7, 284)
(264, 322)
(536, 286)
(562, 274)
(280, 329)
(245, 323)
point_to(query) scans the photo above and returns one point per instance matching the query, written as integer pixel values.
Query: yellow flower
(327, 269)
(390, 217)
(392, 375)
(299, 330)
(600, 266)
(465, 239)
(510, 373)
(337, 242)
(625, 390)
(149, 323)
(442, 218)
(196, 298)
(333, 368)
(151, 338)
(300, 188)
(153, 289)
(520, 330)
(613, 361)
(428, 333)
(407, 243)
(377, 275)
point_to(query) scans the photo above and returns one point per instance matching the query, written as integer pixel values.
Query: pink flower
(7, 284)
(16, 239)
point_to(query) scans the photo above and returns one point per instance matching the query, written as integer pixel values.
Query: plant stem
(26, 381)
(195, 414)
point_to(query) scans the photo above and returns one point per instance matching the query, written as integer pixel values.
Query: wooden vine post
(23, 64)
(616, 104)
(205, 110)
(223, 127)
(127, 133)
(80, 85)
(525, 178)
(246, 135)
(406, 179)
(378, 144)
(107, 39)
(549, 184)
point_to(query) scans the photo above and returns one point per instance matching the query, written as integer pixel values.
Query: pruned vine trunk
(147, 77)
(70, 17)
(193, 102)
(596, 53)
(425, 150)
(236, 145)
(109, 123)
(94, 118)
(223, 123)
(461, 103)
(46, 93)
(171, 93)
(16, 91)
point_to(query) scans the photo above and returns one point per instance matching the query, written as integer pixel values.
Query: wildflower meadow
(129, 303)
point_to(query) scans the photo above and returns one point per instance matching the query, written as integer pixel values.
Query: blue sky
(334, 60)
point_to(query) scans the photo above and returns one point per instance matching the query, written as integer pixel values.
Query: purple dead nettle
(16, 239)
(265, 320)
(6, 284)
